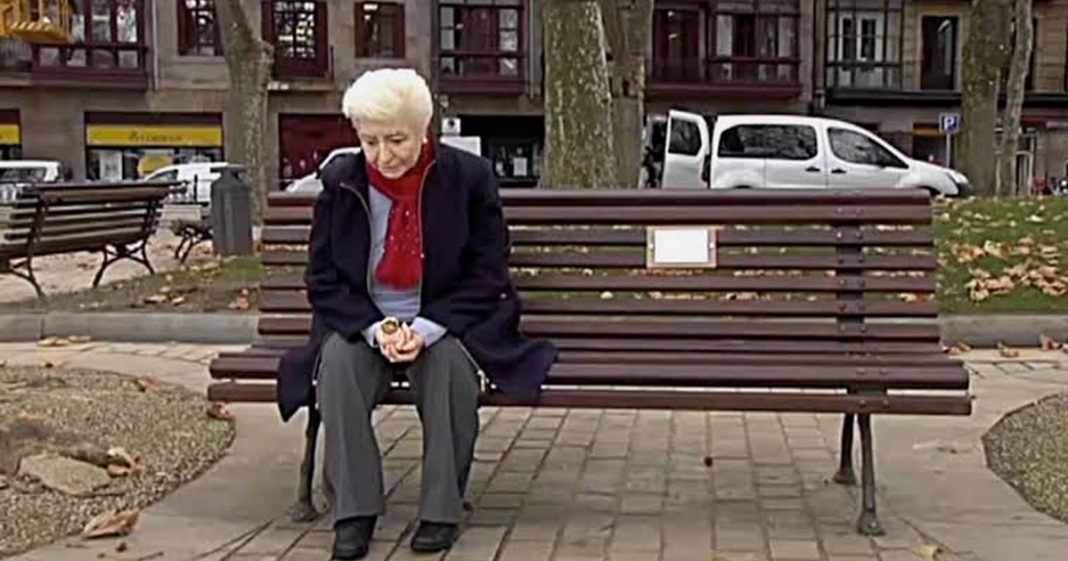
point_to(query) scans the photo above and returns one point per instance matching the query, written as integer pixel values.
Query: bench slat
(637, 260)
(726, 237)
(668, 215)
(649, 327)
(694, 375)
(688, 400)
(721, 283)
(285, 302)
(703, 283)
(588, 343)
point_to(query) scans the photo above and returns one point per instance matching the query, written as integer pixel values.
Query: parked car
(196, 177)
(17, 174)
(783, 152)
(310, 183)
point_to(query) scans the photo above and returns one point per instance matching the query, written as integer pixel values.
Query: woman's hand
(406, 348)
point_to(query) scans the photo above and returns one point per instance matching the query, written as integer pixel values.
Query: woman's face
(392, 148)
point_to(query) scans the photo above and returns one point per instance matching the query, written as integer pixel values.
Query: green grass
(973, 223)
(218, 286)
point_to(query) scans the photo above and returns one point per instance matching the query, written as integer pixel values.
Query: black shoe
(352, 536)
(431, 537)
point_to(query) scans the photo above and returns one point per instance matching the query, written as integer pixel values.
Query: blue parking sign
(949, 123)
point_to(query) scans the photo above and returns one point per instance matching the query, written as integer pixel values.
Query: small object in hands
(391, 325)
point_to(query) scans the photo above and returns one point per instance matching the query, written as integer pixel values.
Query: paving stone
(720, 555)
(794, 550)
(739, 539)
(641, 504)
(478, 543)
(522, 550)
(636, 533)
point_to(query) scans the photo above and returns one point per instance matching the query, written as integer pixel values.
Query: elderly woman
(407, 273)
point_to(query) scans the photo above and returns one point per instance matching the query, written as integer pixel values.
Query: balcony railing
(495, 71)
(726, 73)
(113, 64)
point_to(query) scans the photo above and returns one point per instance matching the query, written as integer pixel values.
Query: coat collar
(445, 166)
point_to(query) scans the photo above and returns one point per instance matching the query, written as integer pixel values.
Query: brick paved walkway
(553, 484)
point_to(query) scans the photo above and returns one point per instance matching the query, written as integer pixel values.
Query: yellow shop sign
(153, 135)
(9, 134)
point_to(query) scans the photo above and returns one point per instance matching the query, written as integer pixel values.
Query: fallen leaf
(146, 384)
(178, 300)
(218, 411)
(118, 471)
(909, 297)
(121, 547)
(240, 303)
(120, 456)
(606, 295)
(928, 551)
(1048, 343)
(165, 290)
(1035, 219)
(958, 349)
(1007, 352)
(50, 342)
(111, 523)
(168, 278)
(79, 338)
(3, 482)
(244, 291)
(994, 249)
(156, 299)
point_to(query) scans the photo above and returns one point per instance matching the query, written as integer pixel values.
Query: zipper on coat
(367, 209)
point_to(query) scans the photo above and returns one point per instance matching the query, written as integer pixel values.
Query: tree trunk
(579, 151)
(1014, 96)
(628, 27)
(982, 58)
(249, 60)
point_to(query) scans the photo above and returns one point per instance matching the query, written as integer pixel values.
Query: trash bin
(231, 212)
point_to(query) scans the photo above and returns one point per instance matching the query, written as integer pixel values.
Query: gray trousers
(352, 379)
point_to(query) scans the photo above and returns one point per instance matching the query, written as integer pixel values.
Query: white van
(785, 152)
(195, 177)
(16, 174)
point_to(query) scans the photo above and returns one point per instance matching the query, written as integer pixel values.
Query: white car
(196, 177)
(786, 152)
(310, 183)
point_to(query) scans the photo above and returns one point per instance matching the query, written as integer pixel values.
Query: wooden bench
(116, 220)
(821, 301)
(191, 233)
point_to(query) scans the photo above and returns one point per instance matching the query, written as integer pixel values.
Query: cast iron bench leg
(845, 474)
(28, 276)
(868, 523)
(304, 509)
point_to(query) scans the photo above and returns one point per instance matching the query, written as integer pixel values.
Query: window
(780, 142)
(481, 38)
(754, 41)
(855, 148)
(685, 138)
(297, 28)
(939, 62)
(864, 44)
(379, 30)
(197, 32)
(108, 34)
(675, 44)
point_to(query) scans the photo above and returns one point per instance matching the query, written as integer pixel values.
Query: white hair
(389, 95)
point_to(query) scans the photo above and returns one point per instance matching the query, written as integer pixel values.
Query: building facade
(144, 83)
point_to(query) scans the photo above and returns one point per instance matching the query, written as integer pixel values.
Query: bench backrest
(798, 272)
(63, 218)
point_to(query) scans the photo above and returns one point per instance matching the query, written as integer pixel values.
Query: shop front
(514, 143)
(10, 135)
(131, 146)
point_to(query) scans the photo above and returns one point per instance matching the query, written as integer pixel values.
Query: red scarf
(402, 263)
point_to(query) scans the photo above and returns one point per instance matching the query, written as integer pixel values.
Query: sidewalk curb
(132, 327)
(977, 331)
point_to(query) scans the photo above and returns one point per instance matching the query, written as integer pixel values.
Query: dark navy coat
(465, 288)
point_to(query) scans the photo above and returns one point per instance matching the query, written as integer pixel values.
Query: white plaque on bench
(681, 246)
